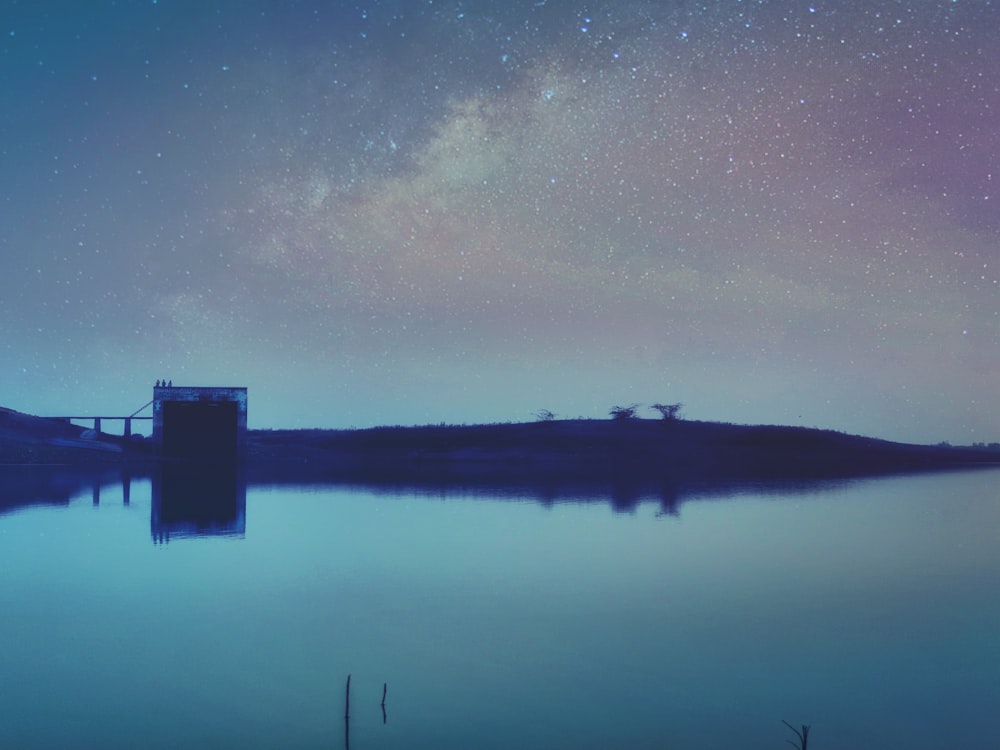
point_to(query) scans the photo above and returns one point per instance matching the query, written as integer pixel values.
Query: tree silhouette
(623, 412)
(668, 411)
(544, 415)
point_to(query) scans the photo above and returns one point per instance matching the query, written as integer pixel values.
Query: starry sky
(423, 211)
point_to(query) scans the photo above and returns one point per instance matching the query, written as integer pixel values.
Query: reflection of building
(203, 500)
(200, 424)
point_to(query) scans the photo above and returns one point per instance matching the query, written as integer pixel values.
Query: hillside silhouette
(582, 450)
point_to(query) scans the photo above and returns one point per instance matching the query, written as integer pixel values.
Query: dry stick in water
(347, 716)
(347, 700)
(803, 736)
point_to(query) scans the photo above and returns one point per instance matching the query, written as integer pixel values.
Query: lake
(867, 609)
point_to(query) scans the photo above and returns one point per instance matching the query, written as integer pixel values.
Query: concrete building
(200, 424)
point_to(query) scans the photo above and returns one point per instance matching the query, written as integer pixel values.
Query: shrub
(669, 412)
(623, 412)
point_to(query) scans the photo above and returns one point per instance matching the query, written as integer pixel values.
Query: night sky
(428, 211)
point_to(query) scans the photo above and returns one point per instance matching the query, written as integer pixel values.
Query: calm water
(869, 610)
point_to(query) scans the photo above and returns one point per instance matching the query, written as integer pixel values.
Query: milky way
(410, 212)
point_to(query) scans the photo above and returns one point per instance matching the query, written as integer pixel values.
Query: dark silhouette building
(197, 424)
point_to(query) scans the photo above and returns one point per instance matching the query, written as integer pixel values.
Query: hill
(26, 439)
(594, 449)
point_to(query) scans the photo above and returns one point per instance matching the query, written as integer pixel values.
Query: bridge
(127, 429)
(127, 432)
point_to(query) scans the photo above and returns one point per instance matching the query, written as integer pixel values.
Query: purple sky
(410, 212)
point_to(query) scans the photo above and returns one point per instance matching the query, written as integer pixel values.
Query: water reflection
(126, 482)
(27, 486)
(198, 501)
(207, 500)
(186, 502)
(210, 500)
(622, 493)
